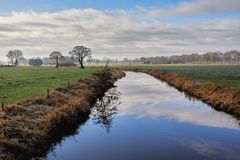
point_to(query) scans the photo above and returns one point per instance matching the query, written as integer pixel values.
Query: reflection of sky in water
(210, 149)
(145, 96)
(153, 122)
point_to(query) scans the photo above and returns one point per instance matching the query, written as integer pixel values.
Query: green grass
(221, 75)
(20, 82)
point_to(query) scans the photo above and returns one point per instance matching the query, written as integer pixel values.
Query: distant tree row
(230, 57)
(78, 53)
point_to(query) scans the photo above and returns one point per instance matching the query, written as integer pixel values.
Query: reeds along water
(28, 128)
(220, 98)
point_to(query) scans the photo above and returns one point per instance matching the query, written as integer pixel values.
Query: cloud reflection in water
(144, 96)
(210, 148)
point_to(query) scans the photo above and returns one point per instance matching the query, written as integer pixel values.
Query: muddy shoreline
(221, 99)
(29, 128)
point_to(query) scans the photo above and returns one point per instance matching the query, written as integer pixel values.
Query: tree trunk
(56, 62)
(81, 62)
(12, 62)
(16, 62)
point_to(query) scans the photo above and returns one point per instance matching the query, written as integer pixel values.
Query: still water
(143, 118)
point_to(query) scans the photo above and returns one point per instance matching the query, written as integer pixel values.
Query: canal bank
(30, 127)
(221, 99)
(144, 118)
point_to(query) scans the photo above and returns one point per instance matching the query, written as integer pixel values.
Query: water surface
(143, 118)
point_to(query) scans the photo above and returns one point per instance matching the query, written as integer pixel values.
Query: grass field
(222, 75)
(20, 82)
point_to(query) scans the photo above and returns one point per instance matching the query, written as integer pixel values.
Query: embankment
(221, 99)
(29, 128)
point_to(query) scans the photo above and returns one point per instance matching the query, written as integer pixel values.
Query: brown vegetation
(30, 127)
(220, 98)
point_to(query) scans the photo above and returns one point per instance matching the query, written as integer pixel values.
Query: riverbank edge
(221, 99)
(29, 128)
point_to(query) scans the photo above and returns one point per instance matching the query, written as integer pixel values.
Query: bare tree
(11, 56)
(14, 56)
(18, 55)
(56, 55)
(80, 52)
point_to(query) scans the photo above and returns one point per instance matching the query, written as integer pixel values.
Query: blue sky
(119, 28)
(57, 5)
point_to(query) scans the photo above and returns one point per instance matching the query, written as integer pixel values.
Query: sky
(119, 29)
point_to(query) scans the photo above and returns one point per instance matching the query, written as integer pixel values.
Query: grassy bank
(220, 98)
(29, 127)
(20, 82)
(220, 75)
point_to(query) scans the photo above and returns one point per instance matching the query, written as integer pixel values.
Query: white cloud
(116, 33)
(198, 7)
(209, 6)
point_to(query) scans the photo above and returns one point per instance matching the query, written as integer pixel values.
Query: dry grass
(28, 128)
(221, 98)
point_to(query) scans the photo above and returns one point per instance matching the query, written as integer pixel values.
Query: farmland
(31, 127)
(20, 82)
(221, 75)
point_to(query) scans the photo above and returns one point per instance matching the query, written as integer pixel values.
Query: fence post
(2, 106)
(48, 93)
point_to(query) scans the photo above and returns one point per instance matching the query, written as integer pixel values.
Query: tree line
(230, 57)
(78, 53)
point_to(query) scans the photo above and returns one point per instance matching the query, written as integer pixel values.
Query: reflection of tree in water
(105, 108)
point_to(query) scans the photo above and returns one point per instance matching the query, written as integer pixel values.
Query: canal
(143, 118)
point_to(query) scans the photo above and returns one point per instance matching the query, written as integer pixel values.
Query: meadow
(220, 75)
(17, 83)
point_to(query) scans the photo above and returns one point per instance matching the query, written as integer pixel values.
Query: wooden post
(2, 106)
(48, 93)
